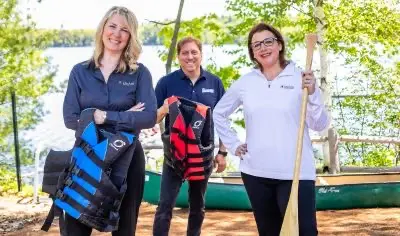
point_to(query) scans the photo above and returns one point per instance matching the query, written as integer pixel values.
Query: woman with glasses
(122, 92)
(271, 98)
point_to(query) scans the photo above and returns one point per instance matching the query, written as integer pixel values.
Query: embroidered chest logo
(204, 90)
(287, 86)
(124, 83)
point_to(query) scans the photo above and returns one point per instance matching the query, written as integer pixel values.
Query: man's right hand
(165, 106)
(162, 111)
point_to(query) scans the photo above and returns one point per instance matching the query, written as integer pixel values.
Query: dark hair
(265, 27)
(186, 40)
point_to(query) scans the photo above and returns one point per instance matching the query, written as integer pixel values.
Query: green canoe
(344, 191)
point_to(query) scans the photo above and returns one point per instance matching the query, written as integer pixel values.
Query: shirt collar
(183, 76)
(288, 71)
(89, 64)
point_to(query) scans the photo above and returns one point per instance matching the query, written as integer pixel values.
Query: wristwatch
(104, 116)
(222, 153)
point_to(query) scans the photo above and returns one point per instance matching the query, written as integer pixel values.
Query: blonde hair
(132, 50)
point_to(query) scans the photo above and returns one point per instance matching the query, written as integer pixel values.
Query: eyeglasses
(268, 42)
(120, 9)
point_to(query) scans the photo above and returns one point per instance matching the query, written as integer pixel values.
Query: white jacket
(272, 117)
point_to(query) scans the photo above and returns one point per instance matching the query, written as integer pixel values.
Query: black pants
(170, 185)
(130, 205)
(269, 198)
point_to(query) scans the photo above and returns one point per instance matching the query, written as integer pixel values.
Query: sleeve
(221, 89)
(137, 120)
(317, 117)
(71, 106)
(161, 92)
(220, 93)
(229, 102)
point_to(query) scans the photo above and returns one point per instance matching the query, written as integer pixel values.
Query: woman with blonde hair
(121, 90)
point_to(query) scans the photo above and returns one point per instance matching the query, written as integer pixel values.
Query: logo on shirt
(124, 83)
(287, 86)
(204, 90)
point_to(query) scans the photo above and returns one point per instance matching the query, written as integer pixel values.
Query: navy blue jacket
(88, 89)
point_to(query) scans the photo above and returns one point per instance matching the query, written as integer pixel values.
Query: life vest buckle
(116, 204)
(108, 171)
(68, 182)
(76, 171)
(60, 195)
(86, 148)
(180, 135)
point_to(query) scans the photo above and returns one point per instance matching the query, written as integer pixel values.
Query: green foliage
(8, 184)
(364, 32)
(72, 38)
(375, 155)
(148, 34)
(23, 69)
(379, 156)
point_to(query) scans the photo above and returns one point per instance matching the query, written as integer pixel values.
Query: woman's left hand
(309, 81)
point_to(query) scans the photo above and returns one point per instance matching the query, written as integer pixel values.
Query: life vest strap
(54, 211)
(184, 136)
(90, 153)
(203, 153)
(199, 164)
(102, 187)
(99, 201)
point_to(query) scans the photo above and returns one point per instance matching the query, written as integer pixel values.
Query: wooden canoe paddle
(290, 226)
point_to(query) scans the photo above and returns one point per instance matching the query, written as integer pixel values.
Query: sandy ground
(25, 218)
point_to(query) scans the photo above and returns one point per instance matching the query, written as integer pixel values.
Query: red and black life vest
(189, 142)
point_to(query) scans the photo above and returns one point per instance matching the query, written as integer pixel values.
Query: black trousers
(130, 205)
(269, 198)
(170, 186)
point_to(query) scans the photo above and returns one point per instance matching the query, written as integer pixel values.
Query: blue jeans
(170, 186)
(269, 198)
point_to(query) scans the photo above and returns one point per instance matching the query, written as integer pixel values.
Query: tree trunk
(324, 82)
(171, 51)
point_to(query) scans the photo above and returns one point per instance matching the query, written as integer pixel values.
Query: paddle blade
(311, 41)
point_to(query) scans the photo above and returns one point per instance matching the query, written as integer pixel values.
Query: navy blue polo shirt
(207, 90)
(88, 89)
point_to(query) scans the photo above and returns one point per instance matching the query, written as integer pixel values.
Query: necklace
(269, 83)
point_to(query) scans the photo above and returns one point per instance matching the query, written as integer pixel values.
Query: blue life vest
(92, 187)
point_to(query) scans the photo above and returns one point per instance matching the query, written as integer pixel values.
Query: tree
(364, 33)
(174, 40)
(23, 70)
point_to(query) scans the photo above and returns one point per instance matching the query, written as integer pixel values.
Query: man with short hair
(193, 83)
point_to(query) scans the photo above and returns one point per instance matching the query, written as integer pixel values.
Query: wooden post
(16, 140)
(333, 140)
